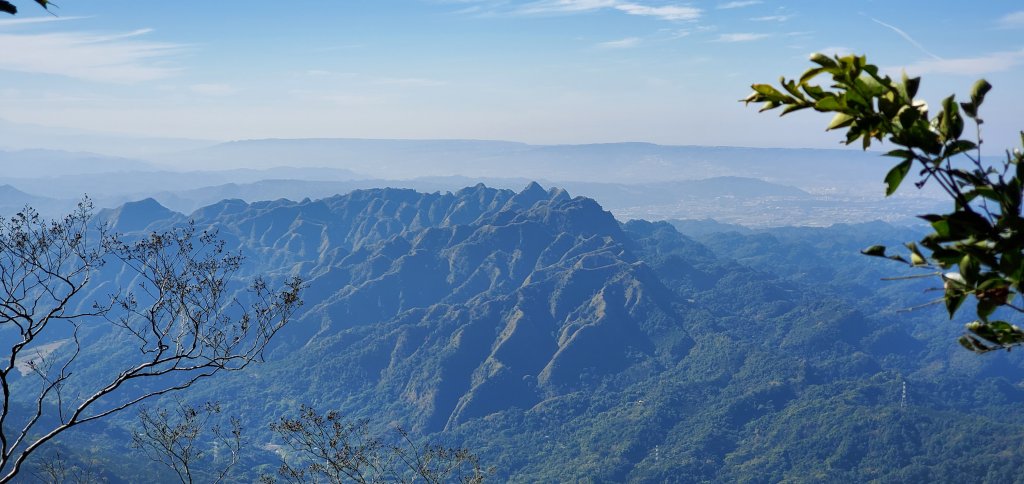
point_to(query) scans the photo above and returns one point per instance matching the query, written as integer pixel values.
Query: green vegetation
(470, 319)
(976, 249)
(329, 448)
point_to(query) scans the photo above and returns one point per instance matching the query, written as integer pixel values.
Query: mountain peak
(530, 195)
(534, 188)
(139, 215)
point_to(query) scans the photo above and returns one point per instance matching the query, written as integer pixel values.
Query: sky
(536, 71)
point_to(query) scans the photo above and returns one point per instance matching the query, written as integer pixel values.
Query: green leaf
(985, 309)
(829, 103)
(874, 251)
(896, 176)
(950, 123)
(898, 258)
(768, 92)
(959, 146)
(916, 258)
(908, 115)
(840, 120)
(953, 302)
(823, 60)
(793, 107)
(970, 109)
(978, 91)
(903, 154)
(911, 84)
(969, 268)
(810, 74)
(964, 224)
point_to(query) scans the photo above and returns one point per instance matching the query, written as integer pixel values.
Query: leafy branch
(977, 248)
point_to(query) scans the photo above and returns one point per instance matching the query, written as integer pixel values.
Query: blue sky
(540, 71)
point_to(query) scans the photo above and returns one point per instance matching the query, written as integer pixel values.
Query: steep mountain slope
(562, 345)
(462, 304)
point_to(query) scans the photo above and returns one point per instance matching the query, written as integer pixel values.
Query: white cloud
(738, 4)
(1012, 20)
(969, 66)
(35, 20)
(114, 58)
(212, 89)
(662, 12)
(741, 37)
(772, 18)
(834, 51)
(564, 6)
(621, 43)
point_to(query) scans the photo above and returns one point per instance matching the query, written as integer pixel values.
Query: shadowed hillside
(561, 344)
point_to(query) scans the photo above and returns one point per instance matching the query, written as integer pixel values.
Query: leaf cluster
(975, 248)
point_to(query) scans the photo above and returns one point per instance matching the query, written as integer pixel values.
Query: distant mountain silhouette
(844, 170)
(139, 216)
(37, 163)
(13, 200)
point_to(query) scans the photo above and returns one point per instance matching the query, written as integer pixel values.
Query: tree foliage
(171, 437)
(329, 448)
(977, 248)
(172, 319)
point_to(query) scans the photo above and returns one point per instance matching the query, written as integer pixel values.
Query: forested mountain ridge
(561, 344)
(461, 304)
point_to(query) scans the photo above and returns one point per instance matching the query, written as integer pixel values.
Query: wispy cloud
(970, 66)
(549, 7)
(741, 37)
(1013, 20)
(557, 6)
(834, 50)
(213, 89)
(772, 18)
(906, 37)
(36, 20)
(664, 13)
(409, 81)
(621, 43)
(114, 58)
(354, 78)
(738, 4)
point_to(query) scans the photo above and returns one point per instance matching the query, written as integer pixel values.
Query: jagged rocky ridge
(459, 305)
(561, 344)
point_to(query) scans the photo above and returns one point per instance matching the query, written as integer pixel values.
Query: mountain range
(562, 344)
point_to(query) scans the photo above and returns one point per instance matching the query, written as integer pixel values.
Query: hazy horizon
(538, 72)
